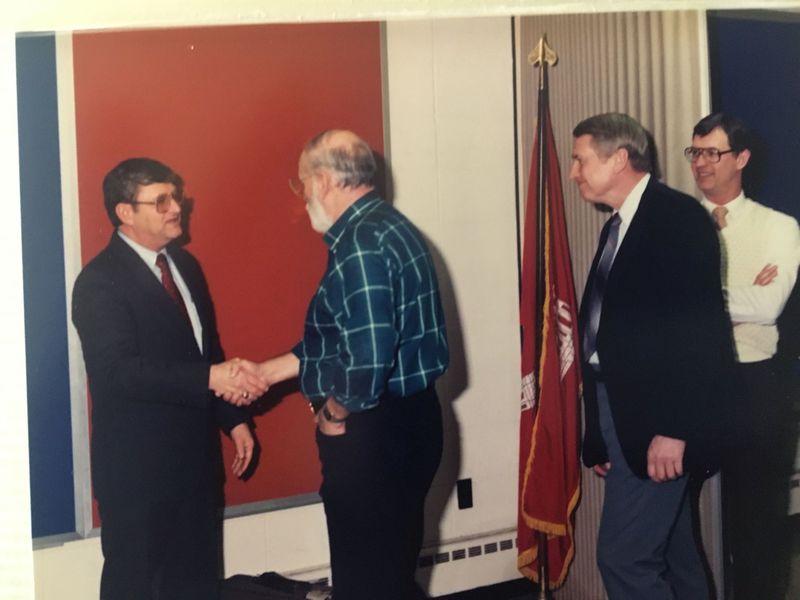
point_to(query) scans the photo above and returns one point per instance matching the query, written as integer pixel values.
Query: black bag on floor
(271, 586)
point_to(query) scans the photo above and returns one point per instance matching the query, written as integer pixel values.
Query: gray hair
(612, 131)
(350, 159)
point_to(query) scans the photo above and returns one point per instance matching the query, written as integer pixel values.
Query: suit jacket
(154, 421)
(664, 339)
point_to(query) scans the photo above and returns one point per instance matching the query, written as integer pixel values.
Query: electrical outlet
(464, 493)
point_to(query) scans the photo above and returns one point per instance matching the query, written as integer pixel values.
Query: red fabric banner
(549, 470)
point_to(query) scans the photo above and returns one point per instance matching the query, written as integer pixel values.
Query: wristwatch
(329, 417)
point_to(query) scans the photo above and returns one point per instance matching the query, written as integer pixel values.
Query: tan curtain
(648, 65)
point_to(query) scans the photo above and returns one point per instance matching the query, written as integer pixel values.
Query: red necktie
(169, 284)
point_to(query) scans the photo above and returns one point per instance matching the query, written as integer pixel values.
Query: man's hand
(665, 458)
(279, 368)
(336, 424)
(767, 275)
(243, 444)
(236, 381)
(602, 470)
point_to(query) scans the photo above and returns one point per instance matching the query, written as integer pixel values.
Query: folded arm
(763, 300)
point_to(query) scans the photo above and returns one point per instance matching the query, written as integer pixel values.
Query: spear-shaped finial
(540, 56)
(542, 53)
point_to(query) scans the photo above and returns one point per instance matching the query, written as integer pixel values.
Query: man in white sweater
(760, 257)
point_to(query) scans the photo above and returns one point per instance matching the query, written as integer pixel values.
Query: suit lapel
(148, 285)
(629, 252)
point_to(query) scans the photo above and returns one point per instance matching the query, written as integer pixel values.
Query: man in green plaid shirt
(373, 345)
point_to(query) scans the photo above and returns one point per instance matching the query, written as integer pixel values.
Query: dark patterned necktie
(169, 285)
(608, 242)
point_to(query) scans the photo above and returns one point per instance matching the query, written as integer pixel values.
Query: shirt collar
(734, 206)
(631, 202)
(334, 234)
(146, 254)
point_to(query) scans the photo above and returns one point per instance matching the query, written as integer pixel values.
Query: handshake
(238, 381)
(241, 382)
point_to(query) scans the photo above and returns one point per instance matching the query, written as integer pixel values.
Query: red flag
(549, 469)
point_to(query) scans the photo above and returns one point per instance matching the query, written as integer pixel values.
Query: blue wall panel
(50, 433)
(755, 74)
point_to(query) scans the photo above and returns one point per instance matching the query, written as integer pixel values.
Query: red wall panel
(229, 108)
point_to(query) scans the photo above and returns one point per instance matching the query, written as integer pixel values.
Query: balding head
(346, 156)
(336, 168)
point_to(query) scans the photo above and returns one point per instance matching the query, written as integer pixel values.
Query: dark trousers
(755, 486)
(374, 481)
(646, 546)
(161, 550)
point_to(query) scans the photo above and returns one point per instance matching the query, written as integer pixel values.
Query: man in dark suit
(656, 351)
(153, 357)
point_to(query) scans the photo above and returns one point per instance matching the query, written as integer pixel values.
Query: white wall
(16, 565)
(450, 99)
(45, 15)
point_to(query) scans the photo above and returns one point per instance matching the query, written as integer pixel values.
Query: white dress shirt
(629, 207)
(149, 258)
(755, 236)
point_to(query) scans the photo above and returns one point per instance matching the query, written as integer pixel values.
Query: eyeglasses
(712, 155)
(297, 186)
(162, 202)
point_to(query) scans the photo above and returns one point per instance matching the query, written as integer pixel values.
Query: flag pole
(542, 56)
(549, 469)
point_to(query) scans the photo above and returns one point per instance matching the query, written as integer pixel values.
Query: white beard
(320, 221)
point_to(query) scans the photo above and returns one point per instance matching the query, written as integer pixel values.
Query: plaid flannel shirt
(375, 325)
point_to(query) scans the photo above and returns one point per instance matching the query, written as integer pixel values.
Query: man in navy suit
(657, 353)
(153, 357)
